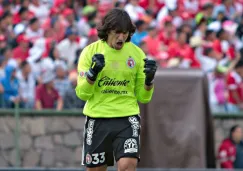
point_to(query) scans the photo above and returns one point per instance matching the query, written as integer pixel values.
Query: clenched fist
(98, 63)
(150, 68)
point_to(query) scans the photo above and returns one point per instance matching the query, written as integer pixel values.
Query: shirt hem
(110, 116)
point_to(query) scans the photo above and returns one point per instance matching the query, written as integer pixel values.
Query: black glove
(98, 63)
(150, 68)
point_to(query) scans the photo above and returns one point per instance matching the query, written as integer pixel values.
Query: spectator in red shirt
(230, 151)
(21, 52)
(234, 82)
(47, 96)
(180, 48)
(68, 15)
(61, 4)
(152, 40)
(222, 36)
(22, 16)
(54, 28)
(168, 32)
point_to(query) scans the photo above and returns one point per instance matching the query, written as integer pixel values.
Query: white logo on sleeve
(130, 146)
(90, 131)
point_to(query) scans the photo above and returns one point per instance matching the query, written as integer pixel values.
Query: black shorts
(109, 138)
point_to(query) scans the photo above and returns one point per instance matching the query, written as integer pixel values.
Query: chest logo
(115, 65)
(130, 62)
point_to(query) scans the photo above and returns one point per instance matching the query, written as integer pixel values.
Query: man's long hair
(116, 19)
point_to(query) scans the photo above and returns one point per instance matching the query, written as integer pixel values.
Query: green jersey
(120, 84)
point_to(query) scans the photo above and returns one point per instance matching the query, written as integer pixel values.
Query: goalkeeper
(113, 75)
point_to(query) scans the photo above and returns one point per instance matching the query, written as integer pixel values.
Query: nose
(121, 36)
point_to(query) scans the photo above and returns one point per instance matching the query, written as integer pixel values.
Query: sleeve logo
(82, 74)
(130, 62)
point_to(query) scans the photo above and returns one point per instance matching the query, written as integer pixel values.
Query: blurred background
(40, 43)
(48, 35)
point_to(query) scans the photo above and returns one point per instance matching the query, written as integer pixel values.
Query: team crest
(88, 159)
(130, 62)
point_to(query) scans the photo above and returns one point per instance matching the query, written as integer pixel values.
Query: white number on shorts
(96, 158)
(102, 157)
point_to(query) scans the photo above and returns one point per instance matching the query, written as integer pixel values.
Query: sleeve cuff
(147, 94)
(87, 87)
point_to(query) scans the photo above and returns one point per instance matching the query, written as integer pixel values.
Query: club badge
(88, 159)
(130, 62)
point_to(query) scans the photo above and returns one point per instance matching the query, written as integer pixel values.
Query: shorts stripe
(83, 150)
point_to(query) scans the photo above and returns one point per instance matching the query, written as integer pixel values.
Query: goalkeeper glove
(150, 68)
(98, 63)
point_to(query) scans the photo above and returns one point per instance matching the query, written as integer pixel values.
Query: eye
(123, 32)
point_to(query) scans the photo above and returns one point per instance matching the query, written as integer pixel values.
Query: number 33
(98, 158)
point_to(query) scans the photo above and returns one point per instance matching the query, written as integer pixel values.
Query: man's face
(36, 2)
(70, 18)
(117, 39)
(35, 26)
(14, 74)
(72, 37)
(27, 69)
(8, 54)
(3, 44)
(134, 2)
(142, 27)
(24, 44)
(60, 72)
(24, 16)
(228, 2)
(26, 3)
(153, 32)
(182, 38)
(9, 20)
(240, 71)
(50, 84)
(209, 11)
(169, 27)
(237, 134)
(212, 36)
(225, 36)
(144, 48)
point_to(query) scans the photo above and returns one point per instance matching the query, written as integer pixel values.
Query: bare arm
(89, 81)
(38, 105)
(59, 104)
(236, 97)
(1, 88)
(148, 87)
(234, 62)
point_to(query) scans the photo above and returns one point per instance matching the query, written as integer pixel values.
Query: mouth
(119, 44)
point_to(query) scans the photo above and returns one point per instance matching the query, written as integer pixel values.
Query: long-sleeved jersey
(120, 84)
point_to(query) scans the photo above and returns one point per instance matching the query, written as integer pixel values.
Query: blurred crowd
(41, 40)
